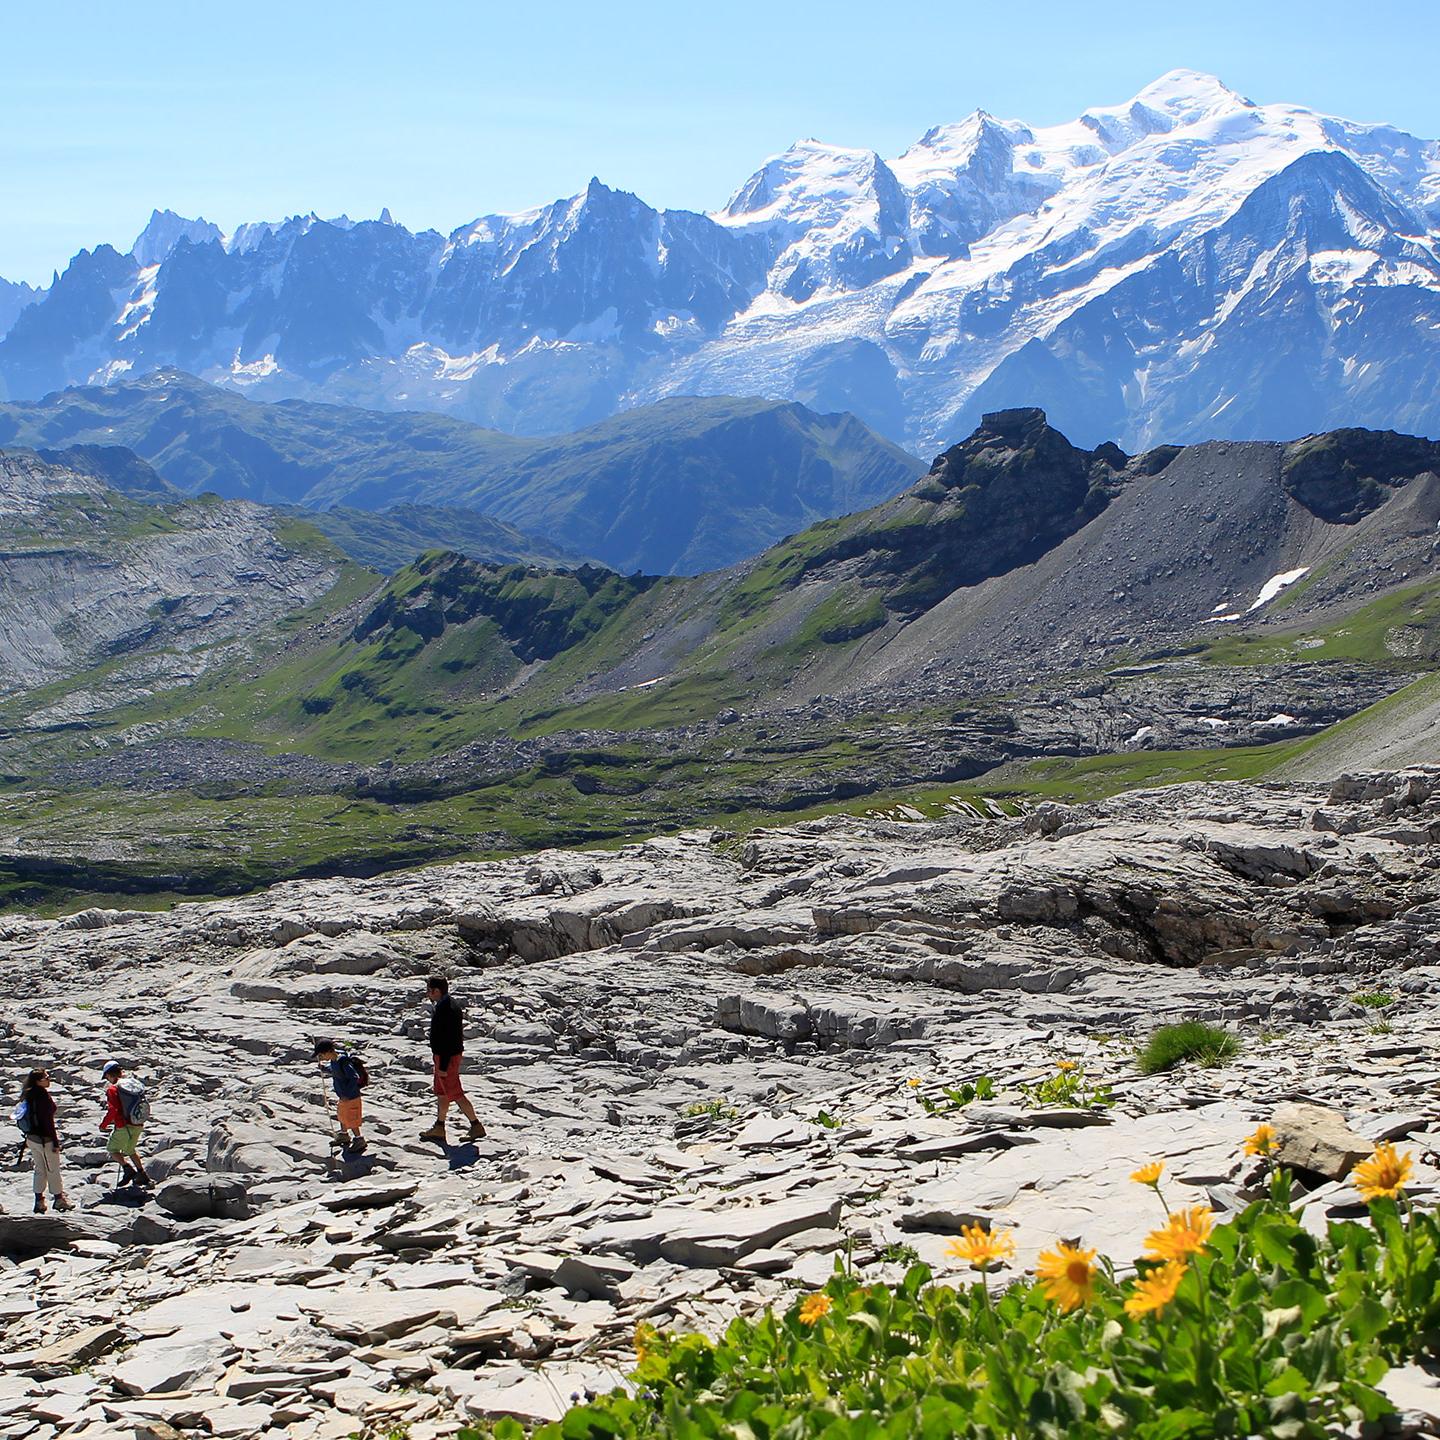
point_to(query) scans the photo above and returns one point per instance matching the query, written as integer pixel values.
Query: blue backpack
(23, 1122)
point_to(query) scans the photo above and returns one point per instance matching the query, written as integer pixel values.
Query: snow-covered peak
(164, 231)
(1190, 95)
(809, 184)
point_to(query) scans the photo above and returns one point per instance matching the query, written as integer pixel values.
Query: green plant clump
(1169, 1045)
(713, 1110)
(1373, 999)
(956, 1097)
(1068, 1087)
(1265, 1330)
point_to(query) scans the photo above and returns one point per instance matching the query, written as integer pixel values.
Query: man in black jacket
(447, 1049)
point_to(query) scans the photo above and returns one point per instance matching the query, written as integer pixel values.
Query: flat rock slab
(715, 1238)
(78, 1349)
(1076, 1184)
(372, 1314)
(940, 1147)
(530, 1396)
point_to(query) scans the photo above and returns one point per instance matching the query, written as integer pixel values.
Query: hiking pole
(325, 1104)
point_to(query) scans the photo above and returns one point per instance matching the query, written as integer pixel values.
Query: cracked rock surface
(694, 1057)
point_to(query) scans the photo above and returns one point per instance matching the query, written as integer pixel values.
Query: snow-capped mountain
(1187, 264)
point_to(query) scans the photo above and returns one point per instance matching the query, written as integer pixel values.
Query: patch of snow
(252, 370)
(1214, 724)
(1275, 584)
(1220, 619)
(1277, 722)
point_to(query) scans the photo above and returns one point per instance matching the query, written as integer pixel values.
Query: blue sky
(444, 111)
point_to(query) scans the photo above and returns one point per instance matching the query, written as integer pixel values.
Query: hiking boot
(477, 1131)
(64, 1202)
(435, 1132)
(356, 1146)
(40, 1206)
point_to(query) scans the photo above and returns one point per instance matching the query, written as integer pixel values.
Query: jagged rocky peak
(164, 231)
(1343, 475)
(1021, 443)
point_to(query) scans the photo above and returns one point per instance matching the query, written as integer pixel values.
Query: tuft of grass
(1373, 999)
(1171, 1045)
(896, 1254)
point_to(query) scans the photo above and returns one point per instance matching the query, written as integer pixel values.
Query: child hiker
(348, 1078)
(126, 1111)
(35, 1115)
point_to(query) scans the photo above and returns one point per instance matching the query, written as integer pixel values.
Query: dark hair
(31, 1081)
(324, 1047)
(438, 982)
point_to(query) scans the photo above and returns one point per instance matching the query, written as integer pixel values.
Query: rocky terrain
(93, 578)
(712, 1066)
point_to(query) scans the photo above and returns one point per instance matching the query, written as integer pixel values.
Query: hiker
(447, 1049)
(35, 1115)
(126, 1110)
(348, 1077)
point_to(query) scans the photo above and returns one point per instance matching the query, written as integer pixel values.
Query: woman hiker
(42, 1140)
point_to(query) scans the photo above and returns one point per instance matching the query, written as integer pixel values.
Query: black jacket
(42, 1116)
(447, 1029)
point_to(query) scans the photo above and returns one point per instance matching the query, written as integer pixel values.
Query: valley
(1027, 620)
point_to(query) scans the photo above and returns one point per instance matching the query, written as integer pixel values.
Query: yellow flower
(1149, 1174)
(1384, 1174)
(1262, 1142)
(1067, 1275)
(1183, 1235)
(813, 1308)
(1152, 1294)
(983, 1248)
(645, 1337)
(1066, 1065)
(912, 1083)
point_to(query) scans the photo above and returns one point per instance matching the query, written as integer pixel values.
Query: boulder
(1315, 1138)
(218, 1197)
(74, 1350)
(35, 1234)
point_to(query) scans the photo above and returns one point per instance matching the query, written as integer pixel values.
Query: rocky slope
(149, 595)
(710, 1066)
(672, 488)
(1187, 264)
(1017, 553)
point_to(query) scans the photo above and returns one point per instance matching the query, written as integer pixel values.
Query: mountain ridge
(1082, 266)
(684, 485)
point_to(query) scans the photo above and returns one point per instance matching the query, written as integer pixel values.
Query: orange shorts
(349, 1113)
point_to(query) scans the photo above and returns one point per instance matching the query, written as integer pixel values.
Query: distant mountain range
(672, 488)
(1186, 265)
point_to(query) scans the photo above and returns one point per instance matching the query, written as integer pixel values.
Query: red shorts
(447, 1078)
